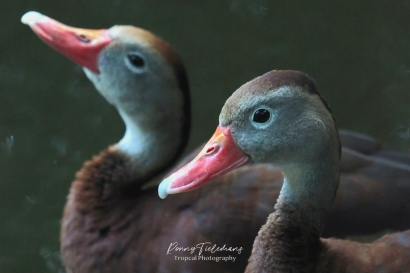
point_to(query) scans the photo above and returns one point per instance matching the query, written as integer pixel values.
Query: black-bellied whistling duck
(280, 118)
(110, 225)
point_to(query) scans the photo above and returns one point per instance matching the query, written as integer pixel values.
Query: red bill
(80, 45)
(220, 155)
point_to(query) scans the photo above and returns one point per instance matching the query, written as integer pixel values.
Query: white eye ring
(261, 117)
(135, 62)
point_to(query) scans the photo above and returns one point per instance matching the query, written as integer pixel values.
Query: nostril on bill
(212, 149)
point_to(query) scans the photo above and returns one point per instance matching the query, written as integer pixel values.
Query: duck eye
(261, 116)
(136, 60)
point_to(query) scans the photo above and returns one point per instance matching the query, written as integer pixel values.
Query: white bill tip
(32, 17)
(163, 188)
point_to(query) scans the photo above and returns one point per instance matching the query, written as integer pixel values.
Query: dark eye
(136, 60)
(261, 115)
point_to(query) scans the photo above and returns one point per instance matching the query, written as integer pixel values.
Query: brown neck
(104, 201)
(288, 242)
(115, 177)
(290, 239)
(109, 179)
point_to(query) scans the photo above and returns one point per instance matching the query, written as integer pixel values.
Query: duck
(112, 222)
(281, 119)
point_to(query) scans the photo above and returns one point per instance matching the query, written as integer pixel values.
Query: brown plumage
(111, 225)
(299, 135)
(298, 248)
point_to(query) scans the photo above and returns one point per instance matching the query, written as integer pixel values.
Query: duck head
(276, 118)
(138, 73)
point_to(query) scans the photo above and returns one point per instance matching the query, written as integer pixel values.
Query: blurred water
(52, 119)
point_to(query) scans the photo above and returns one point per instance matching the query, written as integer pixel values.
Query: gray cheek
(247, 141)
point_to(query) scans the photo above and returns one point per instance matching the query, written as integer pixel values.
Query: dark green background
(52, 119)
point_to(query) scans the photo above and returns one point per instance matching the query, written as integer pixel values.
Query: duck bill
(220, 155)
(80, 45)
